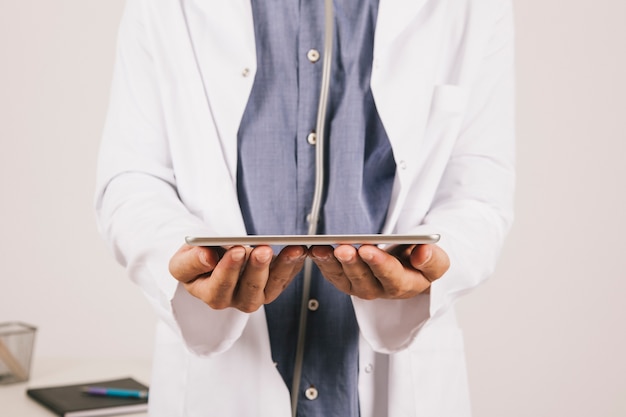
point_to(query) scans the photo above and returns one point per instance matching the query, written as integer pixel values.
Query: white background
(545, 336)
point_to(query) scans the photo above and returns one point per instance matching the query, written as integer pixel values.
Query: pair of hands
(247, 278)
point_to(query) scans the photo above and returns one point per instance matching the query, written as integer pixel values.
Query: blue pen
(116, 392)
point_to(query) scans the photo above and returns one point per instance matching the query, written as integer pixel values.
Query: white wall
(544, 337)
(56, 63)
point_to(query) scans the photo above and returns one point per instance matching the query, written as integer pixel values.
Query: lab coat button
(312, 138)
(313, 304)
(245, 72)
(311, 393)
(369, 368)
(313, 55)
(402, 165)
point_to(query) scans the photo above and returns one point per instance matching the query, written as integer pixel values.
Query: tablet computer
(311, 240)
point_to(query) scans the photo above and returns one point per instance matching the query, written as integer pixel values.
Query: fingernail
(238, 254)
(312, 254)
(295, 258)
(320, 258)
(429, 254)
(344, 257)
(204, 259)
(263, 257)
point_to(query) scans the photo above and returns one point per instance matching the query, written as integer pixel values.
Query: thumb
(430, 260)
(189, 262)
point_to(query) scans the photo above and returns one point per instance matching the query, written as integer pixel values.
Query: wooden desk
(59, 371)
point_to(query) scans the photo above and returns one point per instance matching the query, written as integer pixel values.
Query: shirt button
(313, 55)
(311, 393)
(402, 165)
(313, 304)
(245, 72)
(312, 138)
(369, 368)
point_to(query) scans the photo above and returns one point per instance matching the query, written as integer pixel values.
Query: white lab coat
(442, 80)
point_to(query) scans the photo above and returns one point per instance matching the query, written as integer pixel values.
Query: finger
(431, 260)
(218, 289)
(250, 290)
(190, 262)
(330, 267)
(283, 269)
(397, 279)
(363, 283)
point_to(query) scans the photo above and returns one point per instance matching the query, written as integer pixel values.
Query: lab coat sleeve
(138, 209)
(472, 208)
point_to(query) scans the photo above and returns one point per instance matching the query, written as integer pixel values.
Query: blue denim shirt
(276, 168)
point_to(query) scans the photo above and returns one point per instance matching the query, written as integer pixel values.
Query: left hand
(369, 272)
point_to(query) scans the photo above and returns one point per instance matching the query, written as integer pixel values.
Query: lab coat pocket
(438, 372)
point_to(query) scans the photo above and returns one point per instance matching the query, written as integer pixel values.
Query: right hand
(241, 277)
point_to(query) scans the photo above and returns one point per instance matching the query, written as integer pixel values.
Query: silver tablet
(311, 240)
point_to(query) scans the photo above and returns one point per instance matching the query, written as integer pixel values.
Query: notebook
(71, 401)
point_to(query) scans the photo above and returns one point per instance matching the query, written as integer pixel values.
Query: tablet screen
(311, 240)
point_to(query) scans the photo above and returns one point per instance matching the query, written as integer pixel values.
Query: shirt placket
(309, 62)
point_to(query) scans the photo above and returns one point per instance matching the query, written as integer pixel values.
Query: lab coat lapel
(202, 107)
(403, 82)
(394, 16)
(222, 38)
(402, 79)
